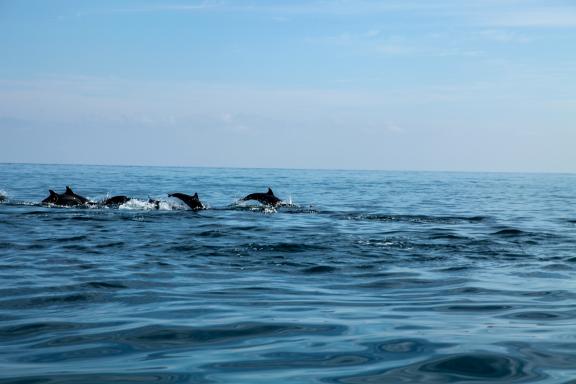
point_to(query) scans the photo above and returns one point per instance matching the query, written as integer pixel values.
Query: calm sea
(365, 277)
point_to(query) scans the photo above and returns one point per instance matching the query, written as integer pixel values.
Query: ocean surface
(362, 277)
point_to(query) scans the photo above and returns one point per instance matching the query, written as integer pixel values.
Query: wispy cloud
(376, 42)
(205, 5)
(501, 13)
(505, 36)
(559, 17)
(286, 8)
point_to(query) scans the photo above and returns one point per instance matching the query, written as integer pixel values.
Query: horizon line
(295, 169)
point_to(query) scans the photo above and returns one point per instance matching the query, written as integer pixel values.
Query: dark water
(367, 277)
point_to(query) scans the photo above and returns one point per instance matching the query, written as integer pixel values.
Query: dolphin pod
(70, 199)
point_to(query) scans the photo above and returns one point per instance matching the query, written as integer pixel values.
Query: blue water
(364, 277)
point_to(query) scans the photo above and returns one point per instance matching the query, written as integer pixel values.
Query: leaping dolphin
(115, 200)
(267, 198)
(68, 198)
(191, 201)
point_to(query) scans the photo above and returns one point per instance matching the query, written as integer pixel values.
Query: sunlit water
(367, 277)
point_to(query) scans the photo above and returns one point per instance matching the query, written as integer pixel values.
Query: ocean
(361, 277)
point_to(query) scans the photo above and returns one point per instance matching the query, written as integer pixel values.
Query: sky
(451, 85)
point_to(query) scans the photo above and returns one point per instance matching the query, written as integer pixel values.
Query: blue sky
(478, 85)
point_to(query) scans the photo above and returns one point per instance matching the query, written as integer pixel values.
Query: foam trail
(144, 205)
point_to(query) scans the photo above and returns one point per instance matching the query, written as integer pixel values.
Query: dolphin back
(116, 200)
(52, 198)
(70, 193)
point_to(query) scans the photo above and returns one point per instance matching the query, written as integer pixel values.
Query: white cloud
(284, 8)
(182, 7)
(504, 36)
(558, 17)
(378, 44)
(487, 13)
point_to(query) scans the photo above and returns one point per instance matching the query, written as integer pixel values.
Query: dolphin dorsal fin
(52, 193)
(69, 190)
(270, 191)
(195, 195)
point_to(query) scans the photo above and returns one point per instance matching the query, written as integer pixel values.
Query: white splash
(144, 205)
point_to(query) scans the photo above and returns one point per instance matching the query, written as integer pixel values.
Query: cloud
(369, 41)
(504, 36)
(314, 7)
(487, 13)
(375, 42)
(183, 7)
(559, 17)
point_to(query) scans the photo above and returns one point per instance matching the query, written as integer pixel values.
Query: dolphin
(155, 202)
(267, 198)
(115, 200)
(68, 198)
(2, 198)
(69, 192)
(191, 201)
(52, 199)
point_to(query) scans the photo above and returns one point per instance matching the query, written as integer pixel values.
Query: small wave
(479, 366)
(153, 337)
(528, 237)
(446, 236)
(510, 232)
(105, 285)
(410, 283)
(319, 269)
(419, 219)
(48, 301)
(242, 206)
(283, 247)
(387, 350)
(540, 316)
(112, 378)
(296, 209)
(463, 367)
(36, 329)
(473, 308)
(551, 355)
(65, 239)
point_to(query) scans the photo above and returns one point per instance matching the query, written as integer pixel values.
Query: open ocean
(365, 277)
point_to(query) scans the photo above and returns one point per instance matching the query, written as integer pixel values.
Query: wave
(420, 219)
(482, 366)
